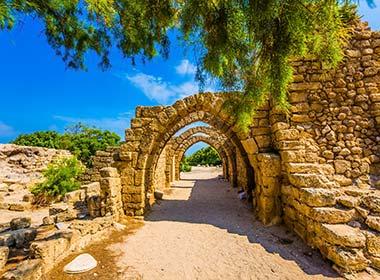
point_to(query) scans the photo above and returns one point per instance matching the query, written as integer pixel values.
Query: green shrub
(205, 156)
(60, 177)
(184, 165)
(79, 139)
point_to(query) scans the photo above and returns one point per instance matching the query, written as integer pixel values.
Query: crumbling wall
(22, 165)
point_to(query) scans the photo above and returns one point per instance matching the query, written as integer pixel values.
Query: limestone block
(348, 259)
(91, 189)
(279, 126)
(372, 201)
(343, 235)
(26, 270)
(269, 164)
(58, 208)
(287, 134)
(74, 196)
(309, 181)
(19, 223)
(289, 145)
(109, 172)
(263, 141)
(293, 156)
(290, 190)
(373, 222)
(342, 166)
(375, 261)
(4, 252)
(318, 197)
(348, 201)
(19, 206)
(51, 248)
(373, 243)
(68, 215)
(310, 168)
(250, 146)
(304, 86)
(48, 220)
(331, 215)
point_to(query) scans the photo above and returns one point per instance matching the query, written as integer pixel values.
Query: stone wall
(330, 153)
(107, 158)
(316, 168)
(160, 177)
(22, 165)
(20, 168)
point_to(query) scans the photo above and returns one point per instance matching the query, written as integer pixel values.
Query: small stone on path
(81, 263)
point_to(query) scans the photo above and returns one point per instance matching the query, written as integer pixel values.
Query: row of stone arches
(317, 168)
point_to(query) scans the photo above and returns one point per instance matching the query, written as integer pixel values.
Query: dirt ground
(201, 230)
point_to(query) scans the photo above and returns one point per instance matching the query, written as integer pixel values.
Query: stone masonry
(316, 168)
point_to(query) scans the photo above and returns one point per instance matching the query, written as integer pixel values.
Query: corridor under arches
(201, 230)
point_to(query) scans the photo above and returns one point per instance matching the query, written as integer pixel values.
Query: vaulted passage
(202, 231)
(315, 169)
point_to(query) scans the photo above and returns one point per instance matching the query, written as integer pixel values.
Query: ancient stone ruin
(316, 169)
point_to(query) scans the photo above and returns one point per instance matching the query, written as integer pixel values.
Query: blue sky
(39, 93)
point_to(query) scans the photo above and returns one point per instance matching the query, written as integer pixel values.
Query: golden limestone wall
(330, 155)
(160, 178)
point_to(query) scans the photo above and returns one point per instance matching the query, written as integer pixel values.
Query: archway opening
(202, 155)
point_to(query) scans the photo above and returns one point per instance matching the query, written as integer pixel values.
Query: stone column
(267, 192)
(110, 192)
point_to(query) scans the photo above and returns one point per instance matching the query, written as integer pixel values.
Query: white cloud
(186, 68)
(117, 124)
(6, 130)
(155, 88)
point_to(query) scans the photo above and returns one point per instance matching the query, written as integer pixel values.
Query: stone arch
(153, 128)
(227, 145)
(217, 143)
(213, 120)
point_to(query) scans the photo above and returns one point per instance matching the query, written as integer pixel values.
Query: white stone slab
(81, 263)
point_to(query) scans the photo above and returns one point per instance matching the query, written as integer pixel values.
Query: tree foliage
(61, 176)
(80, 140)
(184, 165)
(205, 156)
(246, 45)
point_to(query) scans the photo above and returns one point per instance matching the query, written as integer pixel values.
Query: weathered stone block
(19, 223)
(348, 201)
(373, 222)
(52, 248)
(269, 164)
(372, 201)
(373, 243)
(293, 156)
(342, 166)
(348, 259)
(318, 197)
(287, 134)
(109, 172)
(4, 252)
(250, 146)
(343, 235)
(332, 215)
(309, 181)
(310, 168)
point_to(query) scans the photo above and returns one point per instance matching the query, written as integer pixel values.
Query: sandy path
(202, 231)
